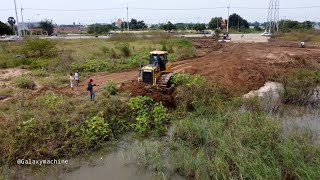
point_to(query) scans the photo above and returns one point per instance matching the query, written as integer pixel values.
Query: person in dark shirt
(90, 89)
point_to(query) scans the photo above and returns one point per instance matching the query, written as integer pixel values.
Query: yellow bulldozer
(158, 71)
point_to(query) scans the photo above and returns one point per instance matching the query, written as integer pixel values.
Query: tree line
(235, 22)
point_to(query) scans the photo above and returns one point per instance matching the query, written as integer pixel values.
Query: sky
(106, 11)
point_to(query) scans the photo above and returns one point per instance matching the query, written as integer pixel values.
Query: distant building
(224, 24)
(60, 30)
(119, 23)
(317, 26)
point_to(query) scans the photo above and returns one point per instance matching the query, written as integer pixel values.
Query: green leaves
(37, 47)
(96, 129)
(148, 115)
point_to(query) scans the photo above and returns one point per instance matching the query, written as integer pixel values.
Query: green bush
(111, 88)
(298, 85)
(51, 100)
(96, 129)
(36, 47)
(91, 66)
(148, 115)
(40, 73)
(38, 64)
(124, 49)
(50, 138)
(187, 79)
(160, 116)
(142, 106)
(24, 82)
(105, 49)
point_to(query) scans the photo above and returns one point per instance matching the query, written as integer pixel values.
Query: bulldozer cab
(159, 58)
(158, 70)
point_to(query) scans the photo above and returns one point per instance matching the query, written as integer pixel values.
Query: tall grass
(300, 35)
(219, 140)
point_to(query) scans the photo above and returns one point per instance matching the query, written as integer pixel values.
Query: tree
(5, 29)
(99, 28)
(236, 21)
(199, 27)
(214, 21)
(168, 27)
(12, 22)
(47, 26)
(287, 25)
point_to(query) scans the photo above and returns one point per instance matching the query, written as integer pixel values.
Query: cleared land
(240, 67)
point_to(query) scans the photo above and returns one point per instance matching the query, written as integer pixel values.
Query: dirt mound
(140, 89)
(247, 66)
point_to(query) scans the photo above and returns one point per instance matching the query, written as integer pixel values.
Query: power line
(178, 9)
(168, 9)
(103, 9)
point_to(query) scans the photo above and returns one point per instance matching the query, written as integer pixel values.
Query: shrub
(105, 49)
(38, 63)
(160, 116)
(142, 106)
(24, 82)
(148, 115)
(187, 79)
(96, 129)
(51, 100)
(50, 138)
(124, 49)
(298, 85)
(36, 47)
(110, 88)
(40, 73)
(91, 66)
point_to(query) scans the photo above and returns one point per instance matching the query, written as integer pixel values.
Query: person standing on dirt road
(71, 78)
(76, 78)
(90, 89)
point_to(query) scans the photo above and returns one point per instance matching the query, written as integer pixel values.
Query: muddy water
(121, 163)
(303, 118)
(112, 166)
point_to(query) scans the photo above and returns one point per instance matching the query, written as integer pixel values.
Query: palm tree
(12, 22)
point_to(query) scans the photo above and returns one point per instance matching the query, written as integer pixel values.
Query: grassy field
(312, 36)
(90, 55)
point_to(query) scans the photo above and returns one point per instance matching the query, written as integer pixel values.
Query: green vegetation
(212, 135)
(110, 88)
(47, 26)
(24, 82)
(300, 35)
(37, 47)
(5, 29)
(145, 121)
(218, 140)
(122, 51)
(96, 129)
(298, 85)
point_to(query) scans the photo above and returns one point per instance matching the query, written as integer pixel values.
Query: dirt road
(238, 66)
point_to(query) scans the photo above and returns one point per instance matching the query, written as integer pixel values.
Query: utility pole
(23, 33)
(228, 18)
(15, 7)
(128, 18)
(22, 13)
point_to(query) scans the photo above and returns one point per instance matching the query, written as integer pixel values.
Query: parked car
(3, 36)
(14, 37)
(266, 34)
